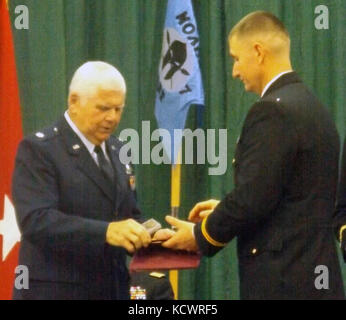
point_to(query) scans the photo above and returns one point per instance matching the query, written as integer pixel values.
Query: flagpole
(175, 204)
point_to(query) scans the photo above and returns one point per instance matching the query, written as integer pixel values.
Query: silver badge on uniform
(76, 147)
(132, 178)
(39, 135)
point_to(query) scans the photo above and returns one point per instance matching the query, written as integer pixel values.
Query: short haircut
(259, 22)
(95, 75)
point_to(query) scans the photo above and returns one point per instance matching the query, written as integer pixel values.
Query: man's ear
(259, 52)
(73, 98)
(73, 101)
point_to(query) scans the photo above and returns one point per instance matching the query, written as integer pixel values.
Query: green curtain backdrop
(63, 34)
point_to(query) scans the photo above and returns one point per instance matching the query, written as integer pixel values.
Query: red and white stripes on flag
(10, 134)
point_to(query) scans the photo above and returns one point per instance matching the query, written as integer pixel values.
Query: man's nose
(111, 115)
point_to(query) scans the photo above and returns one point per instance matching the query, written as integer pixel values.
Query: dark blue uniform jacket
(63, 206)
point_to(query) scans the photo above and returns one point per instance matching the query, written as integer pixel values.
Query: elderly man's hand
(183, 238)
(202, 209)
(128, 234)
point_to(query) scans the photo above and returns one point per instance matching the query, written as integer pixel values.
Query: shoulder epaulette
(46, 134)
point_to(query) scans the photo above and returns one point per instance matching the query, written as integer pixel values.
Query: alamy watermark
(22, 17)
(321, 21)
(322, 280)
(322, 18)
(200, 142)
(22, 278)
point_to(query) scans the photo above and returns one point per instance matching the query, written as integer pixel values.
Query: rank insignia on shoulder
(39, 135)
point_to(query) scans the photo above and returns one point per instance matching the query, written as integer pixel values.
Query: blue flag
(180, 81)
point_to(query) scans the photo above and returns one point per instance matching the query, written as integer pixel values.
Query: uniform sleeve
(262, 167)
(36, 198)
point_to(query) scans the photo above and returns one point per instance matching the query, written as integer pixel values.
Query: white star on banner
(8, 228)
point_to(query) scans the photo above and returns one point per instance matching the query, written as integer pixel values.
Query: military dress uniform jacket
(286, 168)
(64, 205)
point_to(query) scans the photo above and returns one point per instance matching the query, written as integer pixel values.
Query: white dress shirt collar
(89, 145)
(273, 80)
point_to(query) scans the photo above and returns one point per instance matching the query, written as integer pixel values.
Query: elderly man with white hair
(74, 204)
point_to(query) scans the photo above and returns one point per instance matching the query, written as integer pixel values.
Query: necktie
(104, 165)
